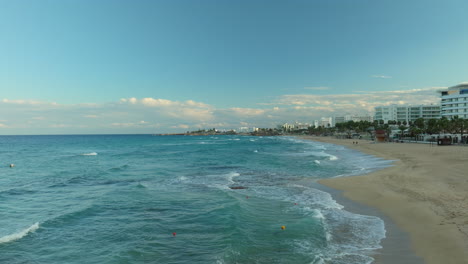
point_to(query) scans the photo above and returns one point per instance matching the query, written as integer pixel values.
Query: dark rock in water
(238, 187)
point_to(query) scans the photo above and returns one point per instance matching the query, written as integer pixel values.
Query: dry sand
(425, 194)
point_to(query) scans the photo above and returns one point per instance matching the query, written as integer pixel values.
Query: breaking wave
(89, 154)
(19, 235)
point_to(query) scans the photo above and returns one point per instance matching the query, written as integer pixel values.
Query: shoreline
(425, 193)
(396, 246)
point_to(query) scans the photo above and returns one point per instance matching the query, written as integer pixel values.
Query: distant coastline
(214, 132)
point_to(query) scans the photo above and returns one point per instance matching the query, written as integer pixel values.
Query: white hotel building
(355, 118)
(455, 101)
(406, 113)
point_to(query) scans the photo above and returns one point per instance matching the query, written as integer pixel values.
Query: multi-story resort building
(324, 122)
(406, 113)
(355, 118)
(295, 126)
(455, 101)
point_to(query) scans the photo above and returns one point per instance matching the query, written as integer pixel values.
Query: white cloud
(367, 100)
(157, 102)
(188, 110)
(381, 76)
(123, 124)
(182, 126)
(59, 125)
(319, 88)
(247, 111)
(152, 115)
(26, 102)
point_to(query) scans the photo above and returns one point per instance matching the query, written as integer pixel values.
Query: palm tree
(458, 125)
(402, 130)
(443, 124)
(432, 126)
(465, 125)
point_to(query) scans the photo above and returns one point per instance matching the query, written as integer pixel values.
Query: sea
(179, 199)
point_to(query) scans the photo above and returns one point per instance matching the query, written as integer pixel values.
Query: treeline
(420, 126)
(443, 125)
(208, 132)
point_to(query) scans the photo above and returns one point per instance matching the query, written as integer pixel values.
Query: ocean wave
(17, 191)
(142, 185)
(230, 177)
(119, 168)
(313, 198)
(182, 178)
(352, 236)
(19, 235)
(89, 154)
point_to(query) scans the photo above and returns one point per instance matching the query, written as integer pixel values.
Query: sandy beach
(425, 193)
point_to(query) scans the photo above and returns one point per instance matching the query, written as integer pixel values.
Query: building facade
(324, 122)
(454, 101)
(295, 126)
(407, 113)
(355, 118)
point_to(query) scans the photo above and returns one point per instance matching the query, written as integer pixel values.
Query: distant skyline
(115, 66)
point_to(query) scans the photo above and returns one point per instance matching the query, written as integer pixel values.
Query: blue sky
(69, 66)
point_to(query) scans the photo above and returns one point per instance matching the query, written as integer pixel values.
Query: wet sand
(425, 194)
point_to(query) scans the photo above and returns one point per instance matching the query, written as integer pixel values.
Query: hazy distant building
(246, 129)
(339, 119)
(454, 101)
(295, 126)
(355, 118)
(324, 122)
(406, 113)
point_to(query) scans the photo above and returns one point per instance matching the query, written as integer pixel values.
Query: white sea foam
(230, 177)
(313, 197)
(318, 214)
(332, 157)
(317, 161)
(182, 178)
(89, 154)
(19, 235)
(219, 186)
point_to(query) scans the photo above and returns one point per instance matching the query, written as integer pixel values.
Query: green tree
(458, 125)
(432, 126)
(402, 131)
(443, 124)
(419, 123)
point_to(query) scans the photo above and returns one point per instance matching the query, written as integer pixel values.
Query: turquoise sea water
(167, 199)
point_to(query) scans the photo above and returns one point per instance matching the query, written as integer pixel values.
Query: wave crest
(19, 235)
(89, 154)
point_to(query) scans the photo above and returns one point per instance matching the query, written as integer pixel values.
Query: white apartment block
(406, 113)
(295, 126)
(355, 118)
(324, 122)
(454, 101)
